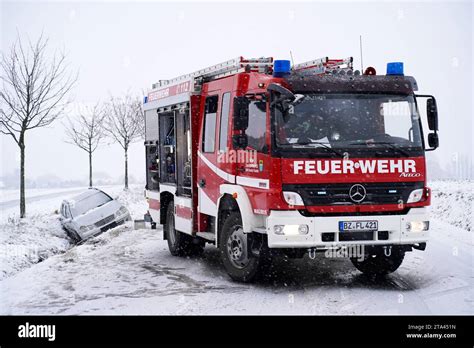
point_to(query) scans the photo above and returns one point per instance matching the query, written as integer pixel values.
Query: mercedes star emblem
(357, 193)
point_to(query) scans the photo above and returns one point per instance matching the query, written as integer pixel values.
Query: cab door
(255, 161)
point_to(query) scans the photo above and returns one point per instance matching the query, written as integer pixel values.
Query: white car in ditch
(91, 213)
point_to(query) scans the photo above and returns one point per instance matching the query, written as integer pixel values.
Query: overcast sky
(125, 46)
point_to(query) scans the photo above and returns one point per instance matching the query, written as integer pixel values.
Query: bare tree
(87, 132)
(33, 94)
(125, 124)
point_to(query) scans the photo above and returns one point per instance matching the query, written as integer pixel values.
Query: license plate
(354, 226)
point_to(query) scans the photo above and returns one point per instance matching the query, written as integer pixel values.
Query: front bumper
(394, 228)
(97, 230)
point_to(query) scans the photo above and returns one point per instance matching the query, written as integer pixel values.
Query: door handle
(202, 183)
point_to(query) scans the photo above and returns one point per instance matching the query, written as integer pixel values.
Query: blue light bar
(395, 68)
(281, 68)
(145, 99)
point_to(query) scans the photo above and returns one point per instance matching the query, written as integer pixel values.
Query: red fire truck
(263, 159)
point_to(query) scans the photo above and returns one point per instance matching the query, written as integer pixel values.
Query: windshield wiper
(390, 145)
(324, 146)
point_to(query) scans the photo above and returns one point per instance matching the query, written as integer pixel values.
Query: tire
(243, 266)
(73, 235)
(180, 244)
(379, 264)
(76, 237)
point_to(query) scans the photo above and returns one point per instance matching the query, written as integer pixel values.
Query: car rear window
(82, 205)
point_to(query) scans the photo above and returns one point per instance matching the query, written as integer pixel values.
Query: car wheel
(76, 238)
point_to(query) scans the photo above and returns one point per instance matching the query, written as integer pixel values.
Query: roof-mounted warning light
(281, 68)
(395, 68)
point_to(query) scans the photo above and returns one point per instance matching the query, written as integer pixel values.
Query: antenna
(361, 58)
(292, 61)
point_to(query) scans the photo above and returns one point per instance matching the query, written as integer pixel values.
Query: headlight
(292, 198)
(121, 211)
(415, 196)
(418, 226)
(87, 228)
(291, 230)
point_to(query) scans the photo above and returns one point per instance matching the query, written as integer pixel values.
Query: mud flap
(255, 241)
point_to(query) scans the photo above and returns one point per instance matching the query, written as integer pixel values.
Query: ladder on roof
(230, 67)
(323, 65)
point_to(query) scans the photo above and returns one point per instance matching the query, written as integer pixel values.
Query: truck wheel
(179, 243)
(379, 264)
(239, 262)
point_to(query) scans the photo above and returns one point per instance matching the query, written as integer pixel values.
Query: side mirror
(283, 98)
(240, 141)
(433, 140)
(432, 113)
(284, 92)
(241, 113)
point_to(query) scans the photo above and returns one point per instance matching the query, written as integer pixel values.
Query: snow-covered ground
(458, 194)
(126, 271)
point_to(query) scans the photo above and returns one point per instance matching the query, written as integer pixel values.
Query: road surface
(11, 203)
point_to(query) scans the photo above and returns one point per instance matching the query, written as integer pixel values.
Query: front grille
(108, 227)
(338, 194)
(105, 221)
(356, 213)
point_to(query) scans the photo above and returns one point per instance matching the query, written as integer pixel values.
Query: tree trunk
(126, 169)
(22, 177)
(90, 169)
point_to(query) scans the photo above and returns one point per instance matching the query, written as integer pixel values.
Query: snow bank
(24, 242)
(453, 202)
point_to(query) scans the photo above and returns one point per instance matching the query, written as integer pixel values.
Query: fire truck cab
(264, 159)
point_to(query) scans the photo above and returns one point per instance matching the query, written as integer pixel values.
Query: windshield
(337, 122)
(82, 205)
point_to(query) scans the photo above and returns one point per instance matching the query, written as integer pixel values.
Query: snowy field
(449, 194)
(126, 271)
